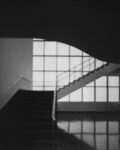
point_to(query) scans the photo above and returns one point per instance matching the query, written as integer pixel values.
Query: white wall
(15, 60)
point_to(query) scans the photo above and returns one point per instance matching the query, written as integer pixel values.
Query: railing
(12, 89)
(54, 105)
(11, 85)
(71, 75)
(54, 85)
(78, 71)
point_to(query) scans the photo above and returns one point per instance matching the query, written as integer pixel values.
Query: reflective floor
(84, 131)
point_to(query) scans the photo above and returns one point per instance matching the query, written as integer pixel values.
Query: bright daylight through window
(57, 64)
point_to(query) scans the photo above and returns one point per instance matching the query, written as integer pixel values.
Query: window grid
(73, 74)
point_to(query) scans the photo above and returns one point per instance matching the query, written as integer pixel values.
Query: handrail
(73, 72)
(12, 84)
(54, 105)
(73, 67)
(78, 65)
(78, 70)
(70, 74)
(89, 65)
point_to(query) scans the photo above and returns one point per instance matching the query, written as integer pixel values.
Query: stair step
(36, 94)
(33, 111)
(36, 127)
(44, 113)
(34, 145)
(34, 135)
(31, 108)
(35, 102)
(26, 122)
(36, 105)
(87, 78)
(28, 126)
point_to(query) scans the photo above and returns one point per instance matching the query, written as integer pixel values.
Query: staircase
(85, 79)
(26, 122)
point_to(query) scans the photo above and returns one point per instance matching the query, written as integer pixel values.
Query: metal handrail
(82, 69)
(74, 72)
(73, 67)
(54, 105)
(12, 84)
(77, 66)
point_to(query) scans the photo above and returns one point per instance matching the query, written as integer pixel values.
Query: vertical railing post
(89, 65)
(94, 63)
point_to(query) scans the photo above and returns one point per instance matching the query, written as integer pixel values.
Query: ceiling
(91, 26)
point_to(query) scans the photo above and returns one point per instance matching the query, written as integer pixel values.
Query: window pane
(75, 63)
(114, 142)
(49, 88)
(101, 94)
(85, 54)
(86, 63)
(63, 63)
(76, 96)
(64, 99)
(88, 94)
(78, 136)
(88, 127)
(101, 81)
(63, 125)
(37, 76)
(113, 81)
(63, 82)
(37, 63)
(92, 64)
(63, 49)
(75, 51)
(50, 63)
(37, 88)
(50, 78)
(50, 48)
(98, 63)
(89, 139)
(85, 72)
(75, 127)
(101, 142)
(113, 127)
(101, 127)
(37, 83)
(75, 75)
(113, 94)
(90, 84)
(38, 48)
(63, 78)
(62, 75)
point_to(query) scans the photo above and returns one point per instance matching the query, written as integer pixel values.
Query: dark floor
(26, 124)
(75, 131)
(88, 131)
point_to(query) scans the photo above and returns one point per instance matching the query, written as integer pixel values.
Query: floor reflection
(88, 132)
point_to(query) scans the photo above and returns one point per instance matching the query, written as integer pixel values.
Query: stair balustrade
(78, 71)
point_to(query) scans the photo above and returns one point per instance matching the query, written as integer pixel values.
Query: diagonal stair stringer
(82, 81)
